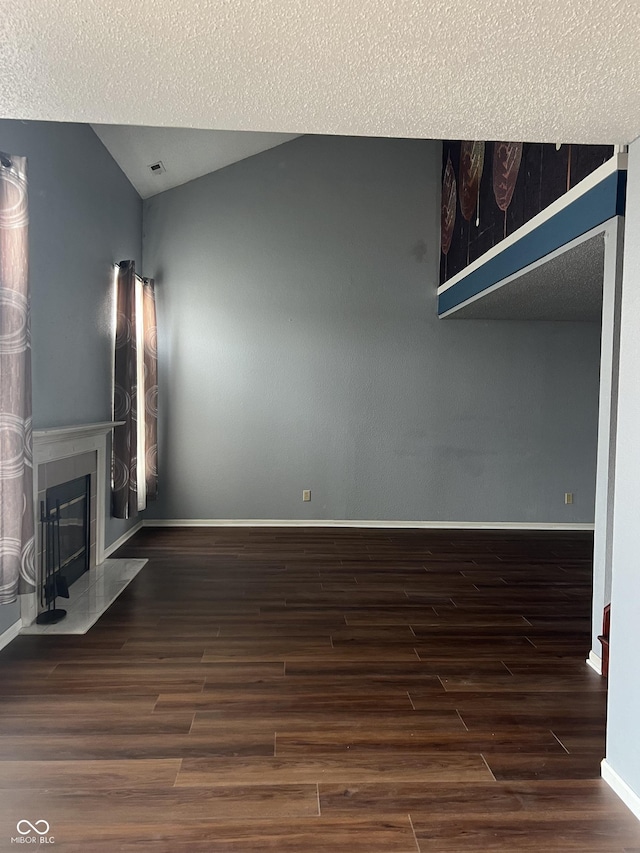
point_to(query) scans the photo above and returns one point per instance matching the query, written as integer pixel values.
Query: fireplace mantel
(52, 435)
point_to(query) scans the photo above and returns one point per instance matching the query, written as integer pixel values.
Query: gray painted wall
(84, 215)
(623, 743)
(300, 348)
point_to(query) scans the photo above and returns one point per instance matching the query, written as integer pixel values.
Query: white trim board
(321, 522)
(119, 542)
(595, 662)
(620, 787)
(10, 634)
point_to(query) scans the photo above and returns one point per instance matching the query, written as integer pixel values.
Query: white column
(607, 414)
(622, 765)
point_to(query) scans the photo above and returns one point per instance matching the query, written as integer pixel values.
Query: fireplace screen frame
(74, 557)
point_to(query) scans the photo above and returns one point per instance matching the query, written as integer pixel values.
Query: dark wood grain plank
(453, 767)
(481, 798)
(92, 775)
(293, 835)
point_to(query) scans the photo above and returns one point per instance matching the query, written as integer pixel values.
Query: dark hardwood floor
(318, 690)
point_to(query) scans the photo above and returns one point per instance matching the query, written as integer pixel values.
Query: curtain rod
(141, 278)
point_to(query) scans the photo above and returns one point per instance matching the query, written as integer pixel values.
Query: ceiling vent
(157, 168)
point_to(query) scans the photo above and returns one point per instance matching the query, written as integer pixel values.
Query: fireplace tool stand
(53, 583)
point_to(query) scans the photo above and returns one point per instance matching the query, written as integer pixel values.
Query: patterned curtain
(17, 564)
(125, 437)
(151, 387)
(135, 443)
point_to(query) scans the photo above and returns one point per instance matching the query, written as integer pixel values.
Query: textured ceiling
(185, 154)
(540, 71)
(567, 287)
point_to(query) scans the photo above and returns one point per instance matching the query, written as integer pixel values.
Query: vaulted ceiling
(184, 154)
(543, 70)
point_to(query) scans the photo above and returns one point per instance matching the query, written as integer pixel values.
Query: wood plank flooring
(312, 690)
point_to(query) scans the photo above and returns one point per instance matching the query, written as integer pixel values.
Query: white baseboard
(595, 662)
(617, 784)
(122, 539)
(10, 634)
(323, 522)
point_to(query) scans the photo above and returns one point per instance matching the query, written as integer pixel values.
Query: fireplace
(68, 504)
(62, 455)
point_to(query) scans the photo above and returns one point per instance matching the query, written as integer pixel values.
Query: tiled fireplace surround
(61, 454)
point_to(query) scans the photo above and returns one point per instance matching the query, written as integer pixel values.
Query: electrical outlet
(306, 494)
(568, 497)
